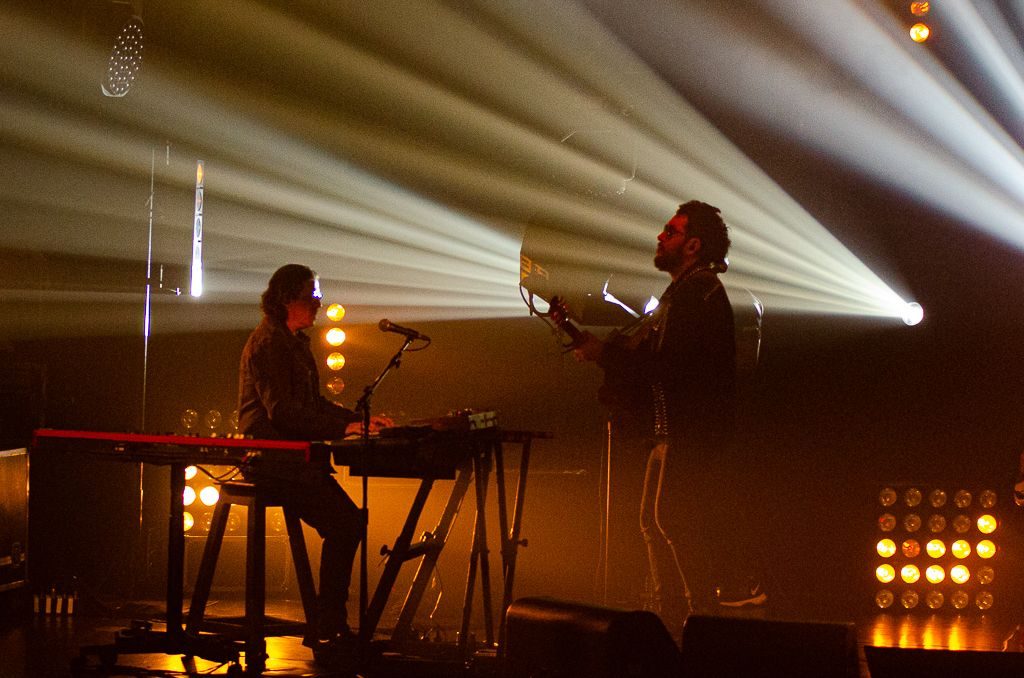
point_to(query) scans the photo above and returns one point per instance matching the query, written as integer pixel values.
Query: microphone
(388, 326)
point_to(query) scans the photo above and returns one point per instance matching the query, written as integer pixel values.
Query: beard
(667, 261)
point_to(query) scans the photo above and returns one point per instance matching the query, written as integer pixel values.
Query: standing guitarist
(678, 374)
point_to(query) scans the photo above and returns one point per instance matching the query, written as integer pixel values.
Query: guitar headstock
(559, 314)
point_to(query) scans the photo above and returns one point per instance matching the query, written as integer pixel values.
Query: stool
(254, 626)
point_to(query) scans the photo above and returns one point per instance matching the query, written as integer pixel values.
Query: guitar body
(623, 392)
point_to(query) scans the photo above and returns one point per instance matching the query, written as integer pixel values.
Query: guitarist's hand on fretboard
(586, 347)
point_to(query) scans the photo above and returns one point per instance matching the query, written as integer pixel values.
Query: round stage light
(959, 574)
(188, 497)
(887, 522)
(920, 8)
(937, 498)
(936, 548)
(885, 573)
(335, 361)
(913, 313)
(934, 599)
(884, 599)
(335, 312)
(984, 600)
(918, 33)
(961, 524)
(912, 497)
(209, 495)
(935, 574)
(886, 548)
(912, 522)
(961, 549)
(189, 521)
(336, 385)
(909, 599)
(963, 499)
(910, 573)
(335, 336)
(987, 499)
(190, 472)
(985, 549)
(960, 599)
(987, 524)
(911, 548)
(887, 497)
(936, 522)
(986, 575)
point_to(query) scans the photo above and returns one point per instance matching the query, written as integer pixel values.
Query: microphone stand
(363, 406)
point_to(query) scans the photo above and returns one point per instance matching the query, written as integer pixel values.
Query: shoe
(339, 653)
(754, 596)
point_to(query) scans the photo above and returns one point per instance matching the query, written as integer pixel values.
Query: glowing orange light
(911, 548)
(959, 574)
(920, 8)
(986, 575)
(934, 599)
(335, 361)
(960, 600)
(209, 495)
(935, 574)
(189, 495)
(887, 522)
(335, 336)
(884, 599)
(912, 497)
(919, 32)
(335, 312)
(886, 548)
(336, 385)
(961, 549)
(987, 524)
(986, 549)
(885, 573)
(935, 548)
(912, 522)
(909, 599)
(189, 521)
(910, 573)
(887, 497)
(190, 472)
(984, 600)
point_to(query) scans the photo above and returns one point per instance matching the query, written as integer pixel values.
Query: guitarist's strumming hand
(587, 347)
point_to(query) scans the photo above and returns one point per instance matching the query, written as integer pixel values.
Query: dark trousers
(694, 524)
(321, 503)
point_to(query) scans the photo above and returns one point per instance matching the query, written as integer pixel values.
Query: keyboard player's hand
(377, 422)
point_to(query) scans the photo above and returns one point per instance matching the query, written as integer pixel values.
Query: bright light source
(959, 574)
(886, 548)
(209, 495)
(335, 312)
(919, 32)
(986, 549)
(189, 521)
(910, 573)
(935, 574)
(196, 286)
(987, 524)
(190, 472)
(913, 313)
(335, 336)
(885, 573)
(335, 361)
(652, 304)
(936, 548)
(189, 495)
(961, 549)
(335, 386)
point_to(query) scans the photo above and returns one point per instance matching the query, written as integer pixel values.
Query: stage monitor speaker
(556, 639)
(893, 662)
(737, 646)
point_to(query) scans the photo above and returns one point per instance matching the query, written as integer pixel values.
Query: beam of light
(405, 172)
(872, 99)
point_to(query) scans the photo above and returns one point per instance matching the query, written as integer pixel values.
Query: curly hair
(704, 221)
(285, 286)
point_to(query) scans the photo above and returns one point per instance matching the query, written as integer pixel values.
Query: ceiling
(408, 150)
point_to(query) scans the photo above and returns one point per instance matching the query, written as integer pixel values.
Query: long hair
(705, 222)
(285, 286)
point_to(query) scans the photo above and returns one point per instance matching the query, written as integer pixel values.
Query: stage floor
(45, 646)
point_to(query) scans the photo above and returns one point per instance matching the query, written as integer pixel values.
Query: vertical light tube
(196, 287)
